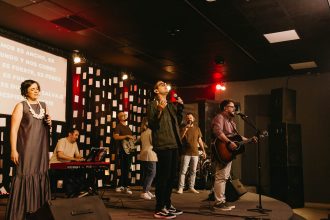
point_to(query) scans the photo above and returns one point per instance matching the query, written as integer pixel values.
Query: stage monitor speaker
(285, 148)
(287, 185)
(283, 105)
(234, 190)
(85, 208)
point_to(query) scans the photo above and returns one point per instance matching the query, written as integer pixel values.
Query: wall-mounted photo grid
(97, 97)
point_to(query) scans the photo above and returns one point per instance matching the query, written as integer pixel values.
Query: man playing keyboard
(66, 150)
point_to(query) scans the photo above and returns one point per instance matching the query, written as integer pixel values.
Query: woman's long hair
(144, 124)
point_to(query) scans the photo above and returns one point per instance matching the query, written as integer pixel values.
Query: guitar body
(128, 145)
(222, 151)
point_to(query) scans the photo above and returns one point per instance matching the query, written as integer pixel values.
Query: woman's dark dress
(30, 187)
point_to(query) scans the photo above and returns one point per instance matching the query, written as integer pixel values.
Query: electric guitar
(128, 145)
(224, 153)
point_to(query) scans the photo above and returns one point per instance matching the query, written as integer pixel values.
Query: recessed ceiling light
(211, 0)
(282, 36)
(174, 31)
(169, 68)
(303, 65)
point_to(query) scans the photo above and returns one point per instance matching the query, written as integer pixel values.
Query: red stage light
(217, 75)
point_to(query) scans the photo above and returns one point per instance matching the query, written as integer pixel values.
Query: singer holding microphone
(29, 140)
(164, 119)
(223, 127)
(191, 137)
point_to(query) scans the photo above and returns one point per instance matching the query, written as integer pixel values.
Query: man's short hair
(157, 84)
(71, 130)
(120, 114)
(190, 113)
(224, 103)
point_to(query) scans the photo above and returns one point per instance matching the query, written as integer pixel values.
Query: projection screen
(19, 62)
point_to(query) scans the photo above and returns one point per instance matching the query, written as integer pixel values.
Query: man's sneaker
(120, 189)
(164, 214)
(180, 191)
(145, 196)
(174, 211)
(151, 195)
(82, 194)
(127, 191)
(230, 206)
(221, 206)
(193, 190)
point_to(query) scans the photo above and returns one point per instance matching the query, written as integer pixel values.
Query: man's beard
(232, 114)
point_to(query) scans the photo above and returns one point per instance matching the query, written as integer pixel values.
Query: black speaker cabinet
(207, 110)
(287, 185)
(285, 147)
(283, 105)
(85, 208)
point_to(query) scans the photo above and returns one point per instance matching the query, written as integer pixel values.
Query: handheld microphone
(178, 100)
(241, 114)
(45, 119)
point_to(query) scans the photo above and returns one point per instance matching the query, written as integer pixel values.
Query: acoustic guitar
(223, 152)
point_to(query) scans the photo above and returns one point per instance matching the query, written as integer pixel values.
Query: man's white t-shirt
(68, 149)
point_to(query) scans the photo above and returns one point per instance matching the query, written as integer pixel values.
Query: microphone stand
(259, 207)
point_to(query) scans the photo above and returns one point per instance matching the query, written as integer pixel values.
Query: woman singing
(29, 140)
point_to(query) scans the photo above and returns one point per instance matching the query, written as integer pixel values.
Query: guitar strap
(235, 130)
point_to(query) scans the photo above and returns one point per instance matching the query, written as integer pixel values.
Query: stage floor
(195, 206)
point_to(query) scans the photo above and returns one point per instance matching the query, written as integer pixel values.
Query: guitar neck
(245, 142)
(264, 134)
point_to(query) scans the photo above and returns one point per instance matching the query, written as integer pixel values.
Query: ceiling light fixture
(78, 57)
(76, 60)
(303, 65)
(282, 36)
(220, 86)
(219, 60)
(124, 76)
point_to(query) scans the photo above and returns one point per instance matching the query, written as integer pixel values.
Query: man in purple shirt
(224, 127)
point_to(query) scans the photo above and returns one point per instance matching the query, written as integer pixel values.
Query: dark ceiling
(181, 41)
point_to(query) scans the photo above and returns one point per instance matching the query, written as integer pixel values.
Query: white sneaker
(151, 195)
(193, 190)
(145, 196)
(120, 189)
(127, 191)
(180, 191)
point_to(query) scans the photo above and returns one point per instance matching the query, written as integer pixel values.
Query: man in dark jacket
(164, 118)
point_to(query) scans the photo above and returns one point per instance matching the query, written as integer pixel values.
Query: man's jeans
(191, 163)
